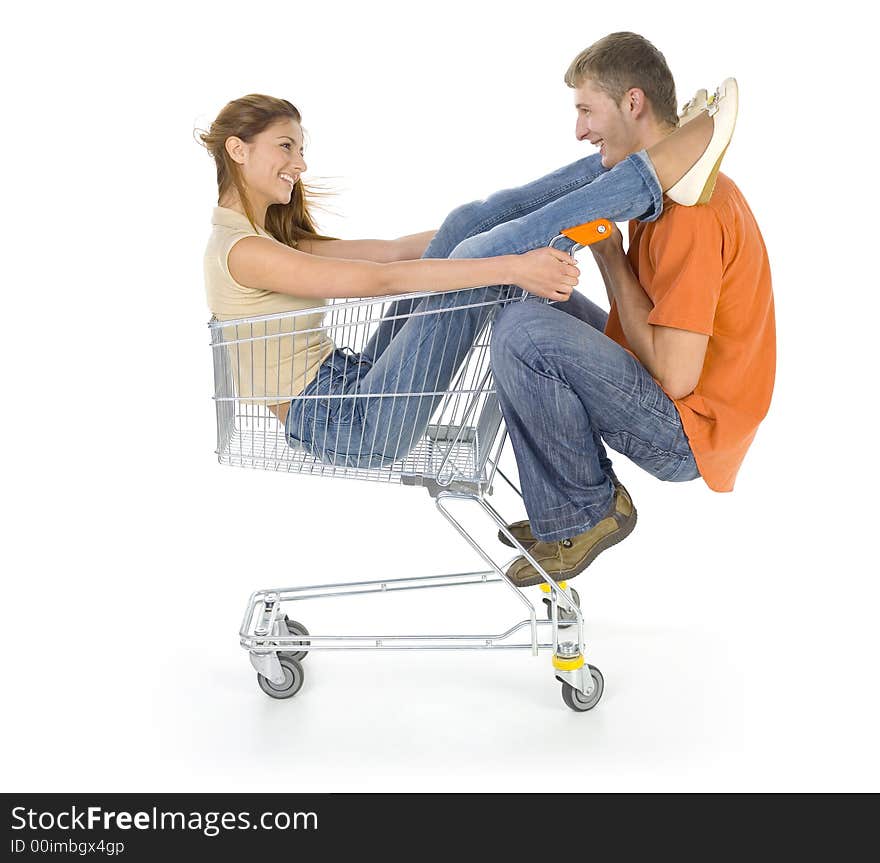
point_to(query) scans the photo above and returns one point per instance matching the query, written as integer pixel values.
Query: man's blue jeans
(421, 353)
(564, 386)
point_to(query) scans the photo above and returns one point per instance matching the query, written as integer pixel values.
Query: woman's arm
(412, 246)
(408, 248)
(264, 264)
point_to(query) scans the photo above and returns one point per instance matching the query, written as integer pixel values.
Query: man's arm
(674, 357)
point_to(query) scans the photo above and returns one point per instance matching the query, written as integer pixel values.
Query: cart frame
(455, 460)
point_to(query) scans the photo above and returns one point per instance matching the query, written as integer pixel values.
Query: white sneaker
(694, 108)
(697, 185)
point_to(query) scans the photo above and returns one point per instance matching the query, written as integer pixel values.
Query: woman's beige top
(269, 370)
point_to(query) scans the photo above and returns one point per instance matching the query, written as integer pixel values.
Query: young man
(680, 373)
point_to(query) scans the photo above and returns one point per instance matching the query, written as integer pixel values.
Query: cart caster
(295, 628)
(579, 702)
(293, 679)
(563, 614)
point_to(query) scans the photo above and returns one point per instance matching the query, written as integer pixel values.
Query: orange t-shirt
(705, 269)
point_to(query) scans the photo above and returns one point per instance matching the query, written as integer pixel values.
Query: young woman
(265, 256)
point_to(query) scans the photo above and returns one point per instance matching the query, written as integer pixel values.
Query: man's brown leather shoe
(522, 530)
(566, 558)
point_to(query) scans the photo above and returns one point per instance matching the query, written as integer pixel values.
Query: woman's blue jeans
(420, 353)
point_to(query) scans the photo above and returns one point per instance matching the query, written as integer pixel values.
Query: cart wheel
(295, 628)
(563, 615)
(293, 679)
(579, 702)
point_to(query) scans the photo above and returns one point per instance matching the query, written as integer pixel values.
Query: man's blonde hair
(620, 61)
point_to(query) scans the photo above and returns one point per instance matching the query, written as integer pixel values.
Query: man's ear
(636, 102)
(236, 149)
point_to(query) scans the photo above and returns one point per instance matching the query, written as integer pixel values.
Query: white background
(736, 632)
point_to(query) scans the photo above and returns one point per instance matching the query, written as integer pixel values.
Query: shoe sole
(709, 188)
(602, 545)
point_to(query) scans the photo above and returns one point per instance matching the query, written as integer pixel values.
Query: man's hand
(611, 245)
(607, 252)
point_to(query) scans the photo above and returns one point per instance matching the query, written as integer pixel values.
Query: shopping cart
(455, 458)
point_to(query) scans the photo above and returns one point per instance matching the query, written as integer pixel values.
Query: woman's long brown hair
(244, 118)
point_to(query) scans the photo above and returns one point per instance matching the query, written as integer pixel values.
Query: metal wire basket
(464, 431)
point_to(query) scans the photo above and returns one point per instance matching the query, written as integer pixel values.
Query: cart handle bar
(589, 232)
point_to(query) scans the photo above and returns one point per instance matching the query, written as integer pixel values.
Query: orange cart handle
(589, 232)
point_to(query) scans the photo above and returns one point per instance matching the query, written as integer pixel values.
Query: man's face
(604, 123)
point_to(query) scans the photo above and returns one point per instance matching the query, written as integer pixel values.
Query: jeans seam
(657, 449)
(685, 459)
(569, 530)
(543, 356)
(532, 204)
(674, 423)
(569, 503)
(646, 170)
(566, 505)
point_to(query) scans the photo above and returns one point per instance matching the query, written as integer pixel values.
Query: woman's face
(273, 161)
